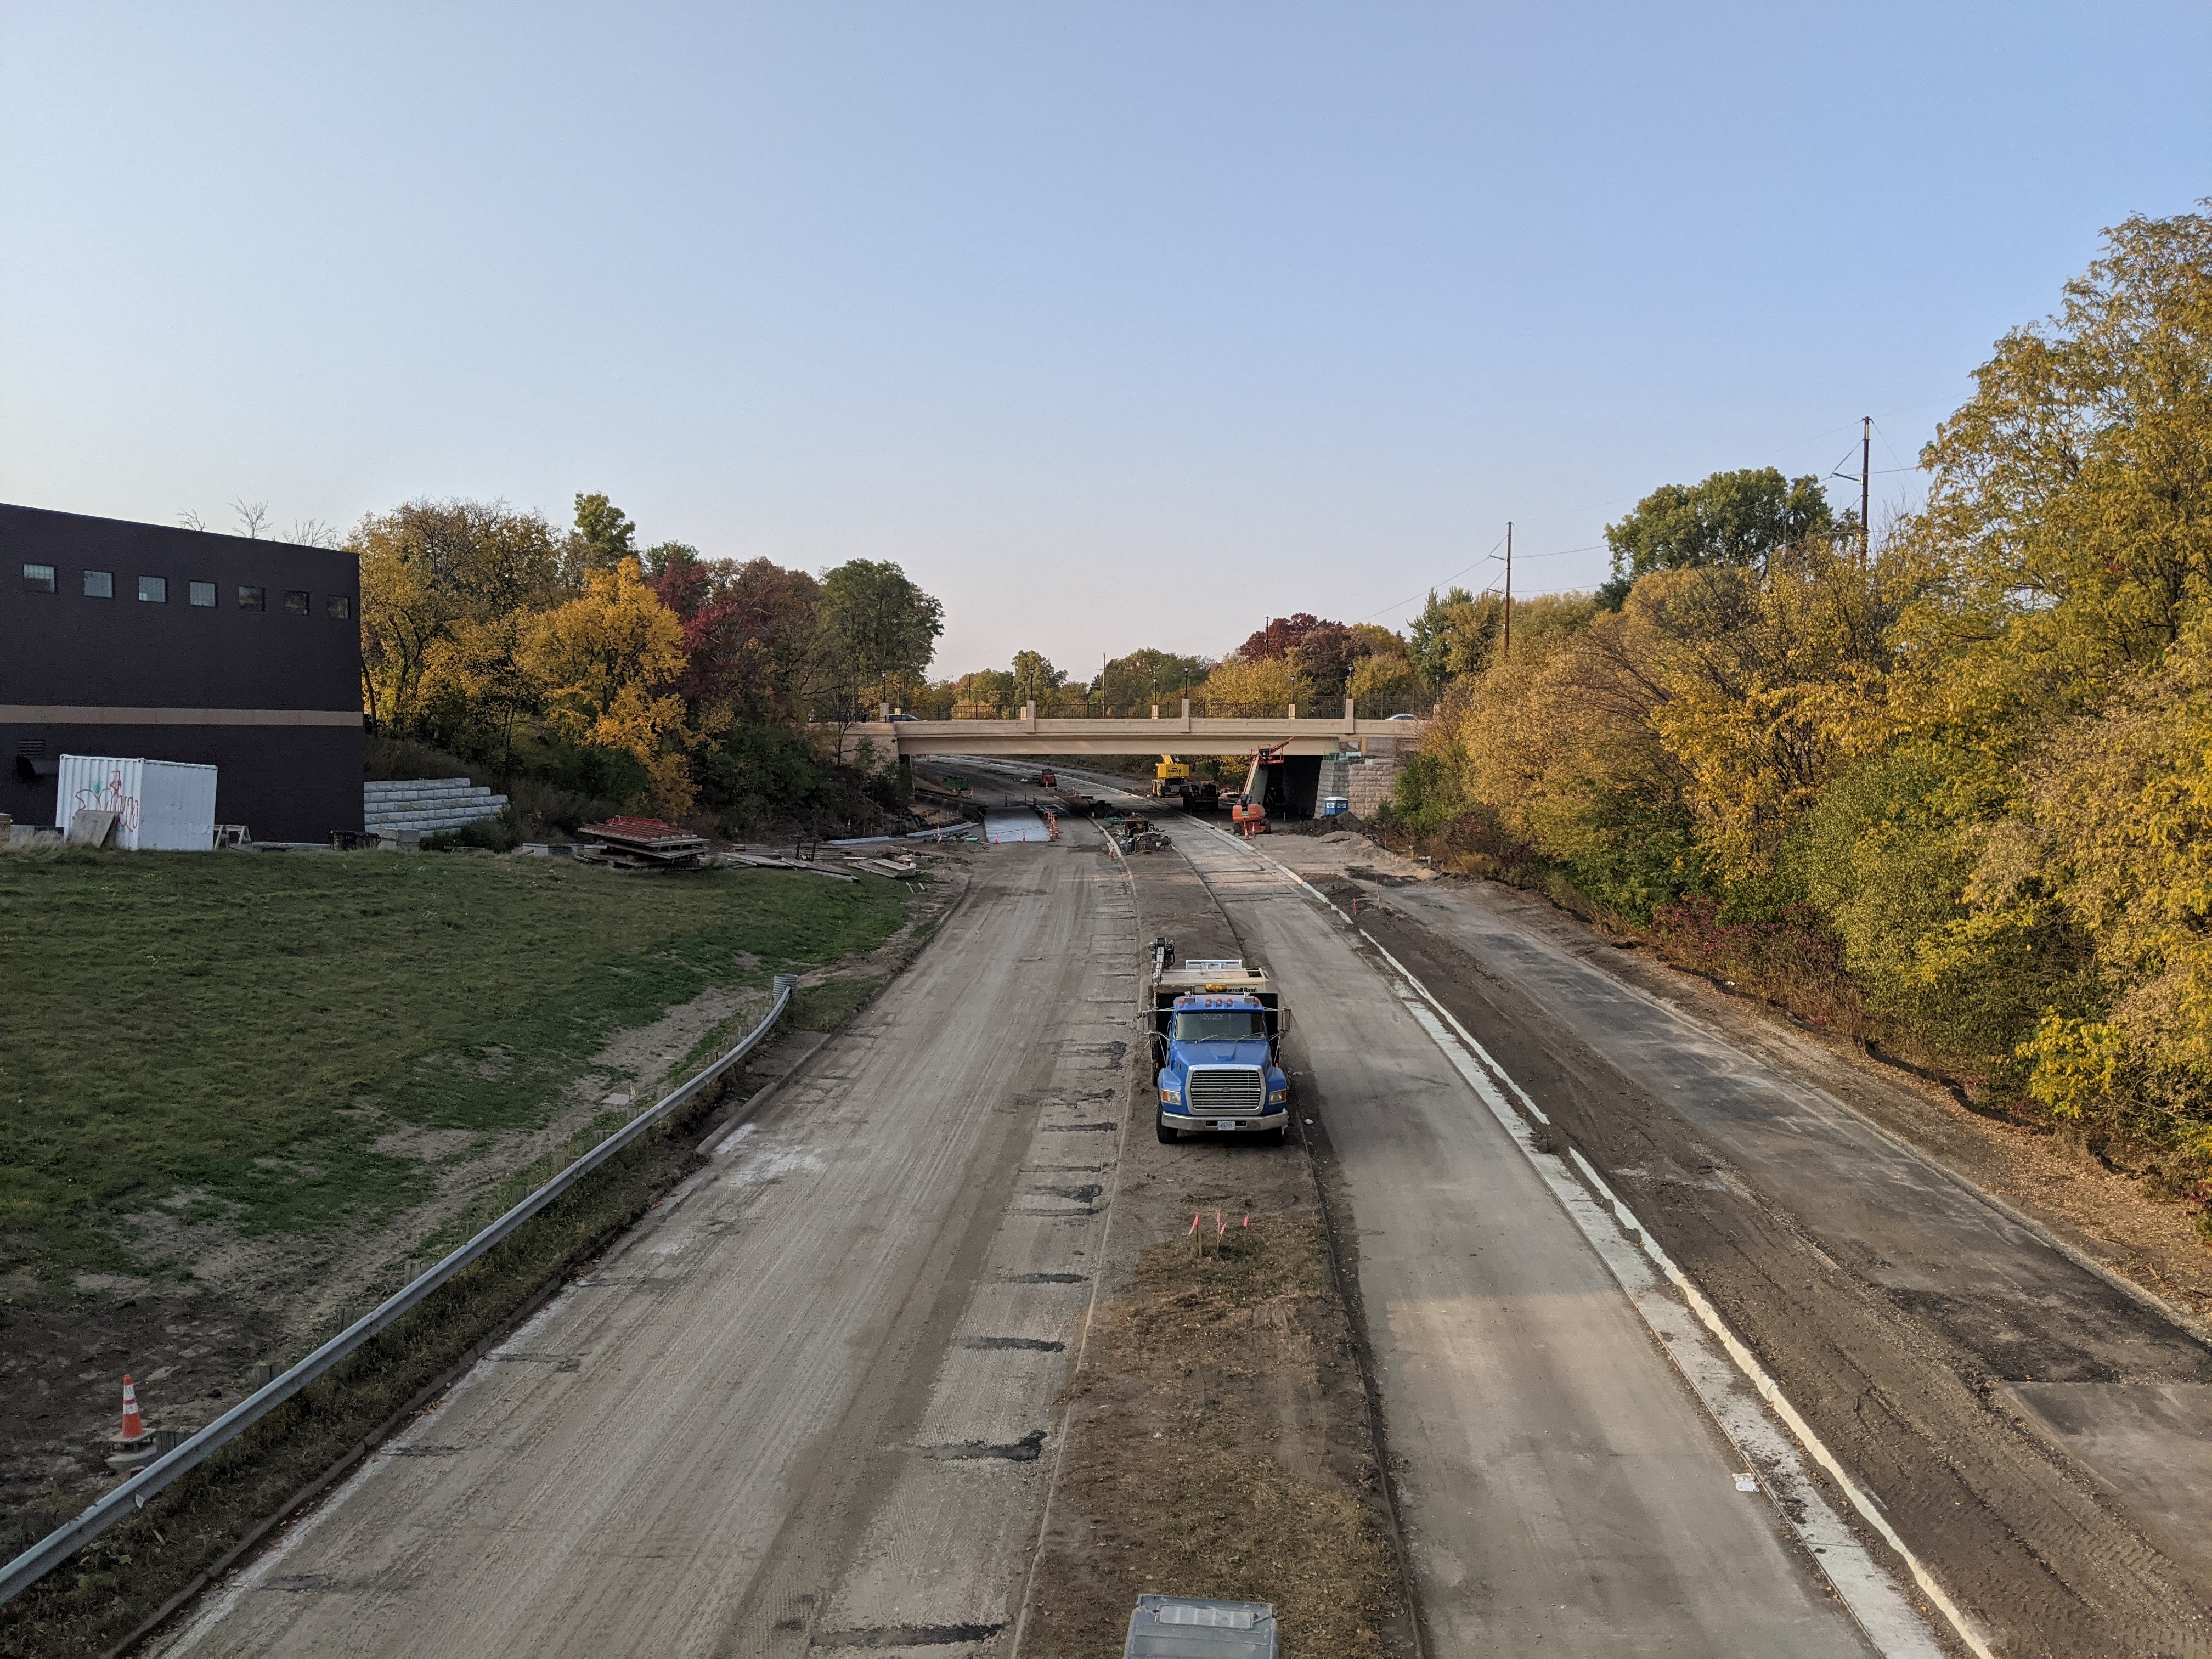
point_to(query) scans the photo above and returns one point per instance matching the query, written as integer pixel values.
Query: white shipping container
(161, 806)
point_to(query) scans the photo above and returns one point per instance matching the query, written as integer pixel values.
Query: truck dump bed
(1202, 976)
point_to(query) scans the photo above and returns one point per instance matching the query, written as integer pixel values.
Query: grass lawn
(245, 1028)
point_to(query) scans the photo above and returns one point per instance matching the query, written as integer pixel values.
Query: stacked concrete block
(425, 806)
(1371, 785)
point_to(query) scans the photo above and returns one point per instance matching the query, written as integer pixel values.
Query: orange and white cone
(134, 1426)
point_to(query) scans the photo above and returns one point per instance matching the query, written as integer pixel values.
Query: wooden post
(1506, 651)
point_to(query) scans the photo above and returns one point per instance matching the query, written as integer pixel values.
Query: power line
(1867, 422)
(1432, 586)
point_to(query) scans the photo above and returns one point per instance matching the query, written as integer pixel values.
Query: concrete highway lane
(806, 1407)
(2034, 1431)
(1563, 1491)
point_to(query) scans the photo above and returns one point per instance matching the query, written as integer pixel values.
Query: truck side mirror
(1282, 1021)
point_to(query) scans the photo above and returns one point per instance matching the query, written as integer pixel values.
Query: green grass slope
(245, 1029)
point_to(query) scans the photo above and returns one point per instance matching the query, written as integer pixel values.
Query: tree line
(1947, 788)
(1301, 661)
(653, 676)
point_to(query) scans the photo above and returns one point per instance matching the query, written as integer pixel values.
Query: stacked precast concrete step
(425, 806)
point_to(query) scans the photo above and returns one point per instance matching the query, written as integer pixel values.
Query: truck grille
(1226, 1090)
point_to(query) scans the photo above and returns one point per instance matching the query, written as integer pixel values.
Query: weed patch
(1172, 1481)
(826, 1007)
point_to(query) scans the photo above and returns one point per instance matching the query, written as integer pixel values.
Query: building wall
(271, 696)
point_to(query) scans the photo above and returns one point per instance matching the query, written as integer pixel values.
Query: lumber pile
(645, 843)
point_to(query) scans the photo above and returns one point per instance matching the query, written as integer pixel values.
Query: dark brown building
(138, 640)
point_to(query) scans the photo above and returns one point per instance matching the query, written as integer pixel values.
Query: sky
(1113, 325)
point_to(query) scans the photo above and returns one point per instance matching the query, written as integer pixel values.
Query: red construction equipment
(1249, 818)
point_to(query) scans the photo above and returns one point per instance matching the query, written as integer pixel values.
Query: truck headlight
(1170, 1096)
(1277, 1097)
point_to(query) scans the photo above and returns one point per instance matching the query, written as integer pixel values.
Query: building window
(340, 606)
(100, 584)
(252, 598)
(202, 594)
(154, 590)
(37, 579)
(296, 603)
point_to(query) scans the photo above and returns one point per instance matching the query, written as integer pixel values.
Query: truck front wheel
(1168, 1137)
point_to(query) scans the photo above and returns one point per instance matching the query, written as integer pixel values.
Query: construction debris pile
(1135, 834)
(643, 844)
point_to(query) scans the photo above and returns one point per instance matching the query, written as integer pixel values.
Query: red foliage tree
(745, 630)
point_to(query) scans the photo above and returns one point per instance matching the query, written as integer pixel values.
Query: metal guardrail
(63, 1542)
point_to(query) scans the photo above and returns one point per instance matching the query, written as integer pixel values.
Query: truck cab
(1217, 1027)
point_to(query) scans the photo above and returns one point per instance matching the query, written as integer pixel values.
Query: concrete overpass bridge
(1320, 757)
(1177, 733)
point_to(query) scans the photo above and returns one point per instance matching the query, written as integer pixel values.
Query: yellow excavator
(1172, 781)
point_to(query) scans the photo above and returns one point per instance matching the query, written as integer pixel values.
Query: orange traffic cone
(134, 1426)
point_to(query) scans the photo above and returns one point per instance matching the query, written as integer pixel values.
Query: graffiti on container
(109, 799)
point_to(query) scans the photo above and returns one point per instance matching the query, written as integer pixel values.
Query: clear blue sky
(1116, 324)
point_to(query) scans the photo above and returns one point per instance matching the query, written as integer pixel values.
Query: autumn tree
(608, 661)
(986, 694)
(602, 538)
(1267, 685)
(445, 586)
(1132, 684)
(1453, 633)
(748, 634)
(1034, 678)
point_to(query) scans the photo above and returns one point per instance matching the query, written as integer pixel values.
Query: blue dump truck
(1217, 1027)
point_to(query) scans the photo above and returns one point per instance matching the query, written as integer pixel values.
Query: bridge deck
(1180, 734)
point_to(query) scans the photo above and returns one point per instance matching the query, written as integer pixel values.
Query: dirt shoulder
(1218, 1439)
(2101, 1211)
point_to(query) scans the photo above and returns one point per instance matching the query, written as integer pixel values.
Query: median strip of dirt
(1218, 1439)
(1210, 1452)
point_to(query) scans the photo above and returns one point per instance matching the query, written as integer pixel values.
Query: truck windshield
(1218, 1024)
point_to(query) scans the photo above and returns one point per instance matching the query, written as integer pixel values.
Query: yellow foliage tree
(1268, 686)
(1384, 684)
(603, 662)
(443, 586)
(2120, 833)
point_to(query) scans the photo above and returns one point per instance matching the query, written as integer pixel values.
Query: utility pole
(1507, 652)
(1865, 492)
